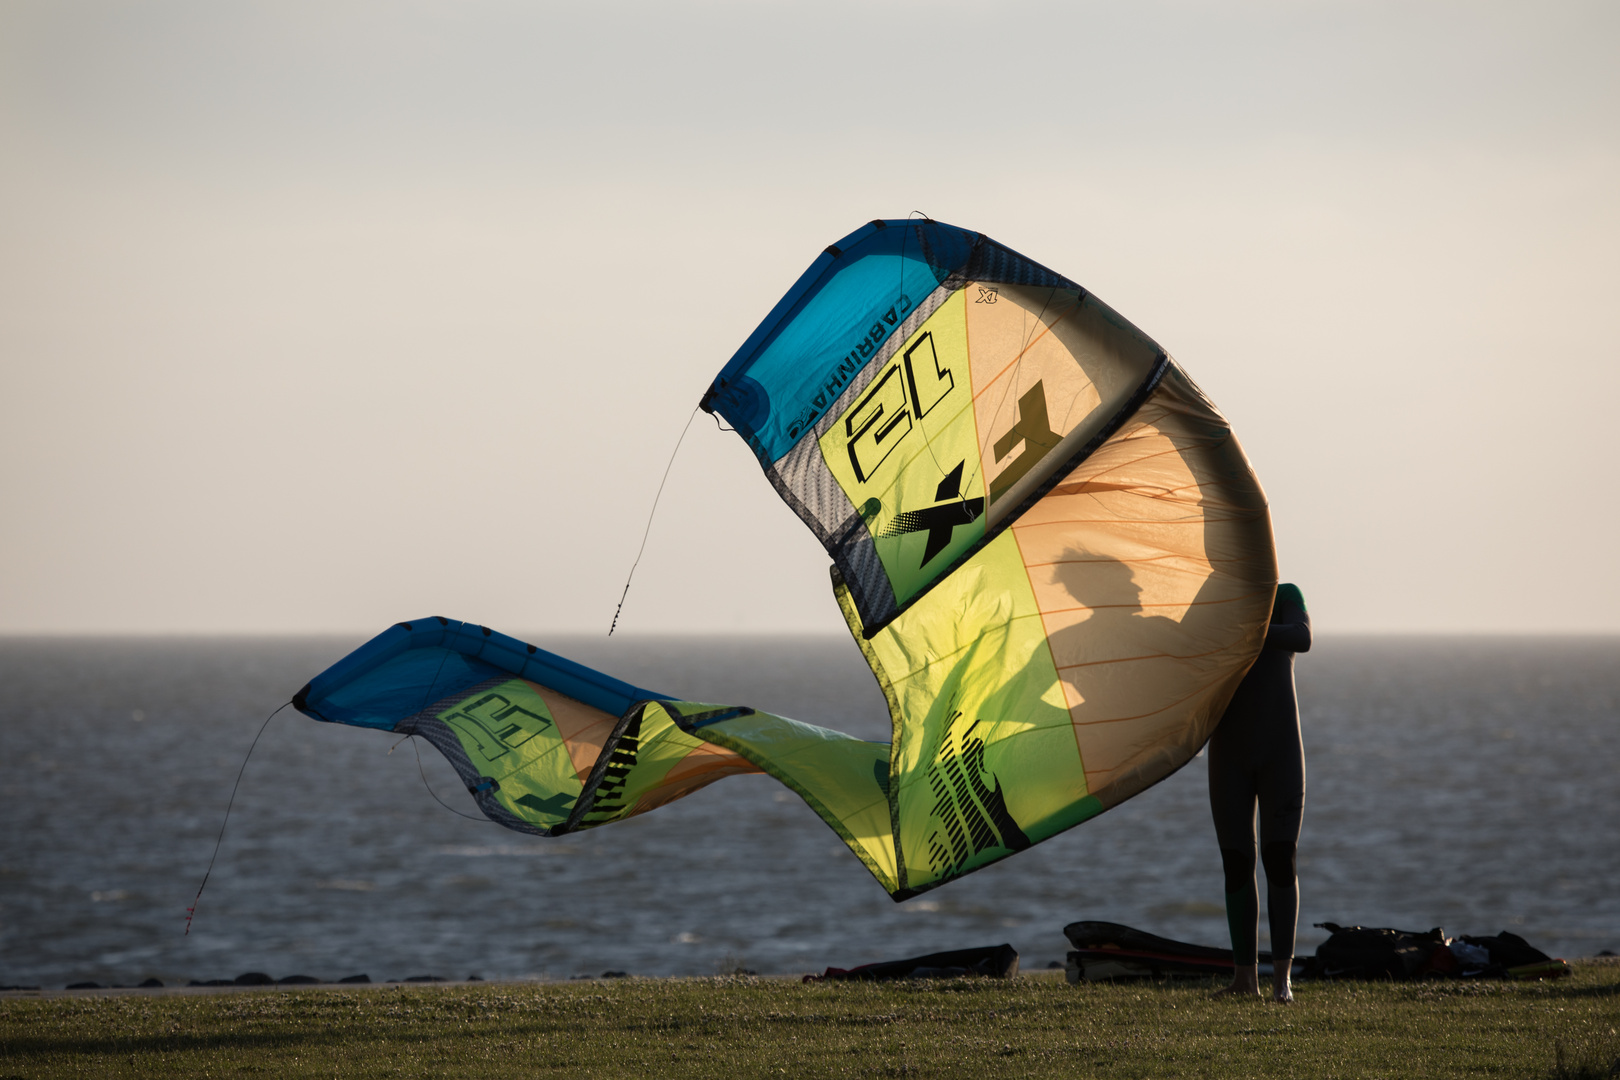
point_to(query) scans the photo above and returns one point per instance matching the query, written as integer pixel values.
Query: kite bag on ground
(1105, 951)
(992, 962)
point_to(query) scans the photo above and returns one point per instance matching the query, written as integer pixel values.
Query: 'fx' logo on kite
(939, 521)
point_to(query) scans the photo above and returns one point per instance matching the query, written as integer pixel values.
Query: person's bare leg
(1242, 920)
(1245, 982)
(1282, 905)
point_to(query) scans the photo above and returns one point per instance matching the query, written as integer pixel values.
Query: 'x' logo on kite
(940, 521)
(987, 295)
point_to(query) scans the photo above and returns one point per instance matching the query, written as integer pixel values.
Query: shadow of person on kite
(1123, 663)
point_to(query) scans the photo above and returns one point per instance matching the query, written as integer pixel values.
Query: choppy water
(1471, 783)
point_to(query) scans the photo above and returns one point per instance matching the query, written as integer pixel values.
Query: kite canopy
(1045, 540)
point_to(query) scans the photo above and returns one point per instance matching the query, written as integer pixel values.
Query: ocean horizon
(1470, 782)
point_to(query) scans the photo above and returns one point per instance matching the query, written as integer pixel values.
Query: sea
(1471, 783)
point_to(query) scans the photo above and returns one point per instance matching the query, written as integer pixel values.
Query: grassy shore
(745, 1027)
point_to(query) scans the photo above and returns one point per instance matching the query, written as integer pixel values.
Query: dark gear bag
(1365, 952)
(1515, 958)
(995, 962)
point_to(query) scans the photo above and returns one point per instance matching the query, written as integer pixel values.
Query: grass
(745, 1027)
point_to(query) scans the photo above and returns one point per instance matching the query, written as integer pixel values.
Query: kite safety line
(648, 530)
(191, 911)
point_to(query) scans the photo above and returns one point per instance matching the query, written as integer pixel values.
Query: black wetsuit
(1256, 756)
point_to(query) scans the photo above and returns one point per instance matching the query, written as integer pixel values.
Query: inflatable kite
(1044, 538)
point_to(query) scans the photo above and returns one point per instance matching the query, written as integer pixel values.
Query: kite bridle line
(648, 530)
(423, 771)
(427, 698)
(191, 911)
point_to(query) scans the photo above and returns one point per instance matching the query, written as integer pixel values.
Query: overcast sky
(315, 317)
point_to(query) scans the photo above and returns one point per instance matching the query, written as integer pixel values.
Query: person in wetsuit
(1256, 756)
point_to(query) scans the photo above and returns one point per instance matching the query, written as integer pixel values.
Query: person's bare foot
(1282, 993)
(1245, 983)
